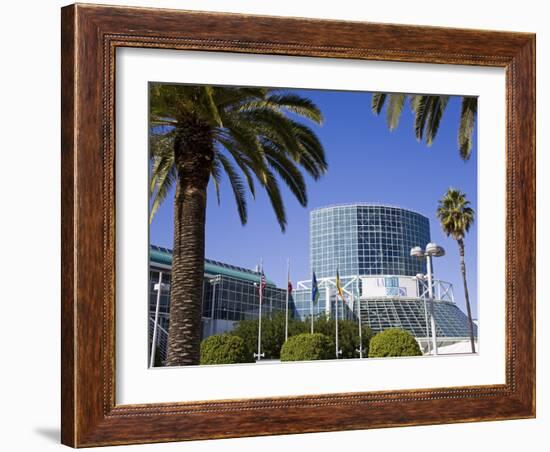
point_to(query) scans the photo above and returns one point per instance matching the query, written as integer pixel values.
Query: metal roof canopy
(161, 255)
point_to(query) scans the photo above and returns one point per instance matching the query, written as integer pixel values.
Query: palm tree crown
(454, 213)
(244, 128)
(428, 111)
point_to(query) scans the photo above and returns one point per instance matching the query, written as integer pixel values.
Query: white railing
(161, 340)
(443, 290)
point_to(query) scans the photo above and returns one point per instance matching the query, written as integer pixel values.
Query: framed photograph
(282, 225)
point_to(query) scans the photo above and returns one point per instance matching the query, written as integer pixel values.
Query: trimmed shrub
(307, 347)
(223, 349)
(393, 342)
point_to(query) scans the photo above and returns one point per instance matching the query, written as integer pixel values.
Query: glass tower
(366, 239)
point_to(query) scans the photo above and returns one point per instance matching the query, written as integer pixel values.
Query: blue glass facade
(412, 316)
(327, 301)
(364, 239)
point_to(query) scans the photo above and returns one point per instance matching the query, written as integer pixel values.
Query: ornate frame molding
(90, 36)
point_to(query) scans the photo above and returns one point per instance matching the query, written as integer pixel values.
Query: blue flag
(314, 289)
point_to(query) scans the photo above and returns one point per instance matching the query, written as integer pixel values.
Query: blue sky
(366, 163)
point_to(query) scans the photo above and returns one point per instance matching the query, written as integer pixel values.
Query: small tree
(393, 342)
(247, 330)
(307, 347)
(273, 334)
(348, 335)
(223, 349)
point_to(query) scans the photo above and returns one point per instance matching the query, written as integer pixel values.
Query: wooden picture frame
(90, 36)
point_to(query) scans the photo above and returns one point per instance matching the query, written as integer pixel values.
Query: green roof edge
(165, 257)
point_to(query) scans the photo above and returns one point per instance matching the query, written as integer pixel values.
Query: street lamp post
(421, 277)
(338, 351)
(212, 317)
(260, 355)
(431, 297)
(432, 250)
(287, 296)
(360, 323)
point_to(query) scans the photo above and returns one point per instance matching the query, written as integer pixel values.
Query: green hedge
(393, 342)
(223, 349)
(273, 334)
(307, 347)
(348, 335)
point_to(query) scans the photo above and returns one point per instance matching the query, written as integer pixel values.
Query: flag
(288, 282)
(314, 289)
(262, 284)
(338, 285)
(263, 281)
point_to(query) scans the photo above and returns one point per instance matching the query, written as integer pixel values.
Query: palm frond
(210, 105)
(421, 109)
(274, 194)
(275, 124)
(394, 109)
(232, 98)
(288, 172)
(216, 174)
(414, 100)
(163, 185)
(299, 105)
(468, 113)
(163, 175)
(312, 154)
(438, 105)
(237, 186)
(240, 140)
(161, 166)
(242, 160)
(378, 100)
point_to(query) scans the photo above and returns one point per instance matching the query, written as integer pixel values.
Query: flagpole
(311, 314)
(287, 296)
(313, 284)
(360, 323)
(336, 313)
(339, 293)
(259, 354)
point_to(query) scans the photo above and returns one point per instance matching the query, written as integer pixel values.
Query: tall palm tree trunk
(466, 295)
(193, 156)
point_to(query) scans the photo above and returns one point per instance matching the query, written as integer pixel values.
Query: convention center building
(369, 246)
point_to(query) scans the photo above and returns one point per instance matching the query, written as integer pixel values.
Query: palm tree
(428, 111)
(199, 132)
(456, 217)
